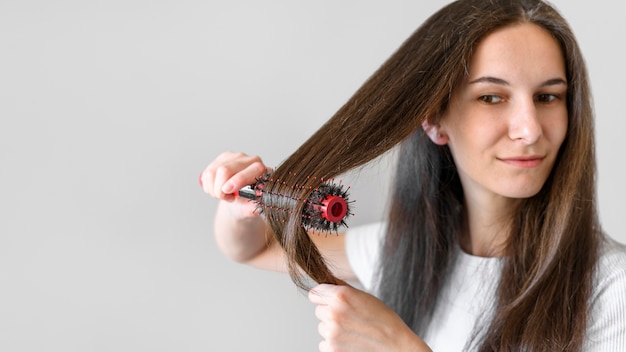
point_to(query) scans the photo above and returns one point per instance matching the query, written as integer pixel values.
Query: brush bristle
(313, 212)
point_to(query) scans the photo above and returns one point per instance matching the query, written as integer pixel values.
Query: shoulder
(610, 274)
(611, 266)
(607, 324)
(609, 289)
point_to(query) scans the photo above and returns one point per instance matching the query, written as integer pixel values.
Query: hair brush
(325, 210)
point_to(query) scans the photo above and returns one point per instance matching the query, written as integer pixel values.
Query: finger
(229, 172)
(322, 312)
(250, 170)
(331, 336)
(322, 330)
(324, 346)
(207, 177)
(328, 331)
(322, 294)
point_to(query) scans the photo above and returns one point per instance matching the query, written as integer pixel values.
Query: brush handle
(249, 192)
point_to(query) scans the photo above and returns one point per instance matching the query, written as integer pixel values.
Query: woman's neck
(486, 226)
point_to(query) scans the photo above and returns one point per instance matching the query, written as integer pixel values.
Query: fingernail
(228, 188)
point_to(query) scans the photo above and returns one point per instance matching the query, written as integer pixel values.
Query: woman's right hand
(239, 232)
(228, 173)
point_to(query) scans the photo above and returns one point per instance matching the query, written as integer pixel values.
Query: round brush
(325, 210)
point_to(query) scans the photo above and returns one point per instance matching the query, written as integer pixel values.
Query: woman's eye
(490, 99)
(546, 98)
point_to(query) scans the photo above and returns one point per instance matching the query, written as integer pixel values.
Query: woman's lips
(523, 161)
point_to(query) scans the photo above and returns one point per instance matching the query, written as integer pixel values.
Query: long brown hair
(546, 280)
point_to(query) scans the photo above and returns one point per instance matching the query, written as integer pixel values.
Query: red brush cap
(335, 208)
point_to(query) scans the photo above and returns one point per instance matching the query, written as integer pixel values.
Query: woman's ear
(435, 133)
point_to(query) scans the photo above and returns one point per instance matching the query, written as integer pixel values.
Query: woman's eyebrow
(502, 82)
(554, 82)
(489, 79)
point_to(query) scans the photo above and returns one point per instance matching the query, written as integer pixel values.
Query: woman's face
(506, 123)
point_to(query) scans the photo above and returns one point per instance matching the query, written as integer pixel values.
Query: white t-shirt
(465, 301)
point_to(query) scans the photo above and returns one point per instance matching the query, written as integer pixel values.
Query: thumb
(324, 293)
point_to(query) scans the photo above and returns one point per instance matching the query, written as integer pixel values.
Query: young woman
(492, 241)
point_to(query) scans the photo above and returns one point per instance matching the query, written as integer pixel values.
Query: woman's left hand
(352, 320)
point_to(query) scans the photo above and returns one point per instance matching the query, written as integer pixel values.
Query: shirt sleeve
(363, 247)
(607, 325)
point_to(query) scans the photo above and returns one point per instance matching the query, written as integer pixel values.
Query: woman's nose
(524, 124)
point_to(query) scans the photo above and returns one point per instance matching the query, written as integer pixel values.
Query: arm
(348, 317)
(241, 234)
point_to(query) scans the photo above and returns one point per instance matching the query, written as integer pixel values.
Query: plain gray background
(109, 111)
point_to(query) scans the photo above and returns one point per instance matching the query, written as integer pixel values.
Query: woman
(492, 240)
